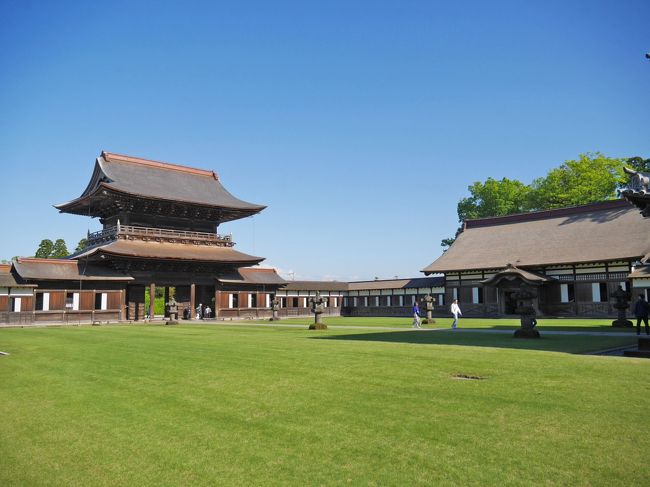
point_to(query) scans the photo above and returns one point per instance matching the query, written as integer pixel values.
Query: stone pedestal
(317, 307)
(318, 323)
(527, 333)
(429, 319)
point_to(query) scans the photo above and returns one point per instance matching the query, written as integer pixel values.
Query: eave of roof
(512, 271)
(65, 269)
(253, 276)
(171, 251)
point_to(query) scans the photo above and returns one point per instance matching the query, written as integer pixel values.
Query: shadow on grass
(550, 343)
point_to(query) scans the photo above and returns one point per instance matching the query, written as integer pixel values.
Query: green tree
(494, 198)
(593, 177)
(44, 249)
(83, 243)
(491, 198)
(59, 250)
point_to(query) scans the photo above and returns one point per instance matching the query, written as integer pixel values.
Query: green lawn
(260, 405)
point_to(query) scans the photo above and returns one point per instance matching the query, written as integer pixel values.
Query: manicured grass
(259, 405)
(556, 324)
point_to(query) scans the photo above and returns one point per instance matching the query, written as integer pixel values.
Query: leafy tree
(44, 249)
(593, 177)
(494, 198)
(83, 243)
(59, 250)
(491, 198)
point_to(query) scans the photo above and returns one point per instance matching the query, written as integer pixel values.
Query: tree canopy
(592, 177)
(60, 250)
(49, 250)
(83, 243)
(44, 249)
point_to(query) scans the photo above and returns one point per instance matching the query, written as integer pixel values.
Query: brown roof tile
(172, 251)
(599, 232)
(157, 180)
(64, 269)
(252, 275)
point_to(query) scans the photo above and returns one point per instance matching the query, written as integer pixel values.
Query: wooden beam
(192, 298)
(152, 299)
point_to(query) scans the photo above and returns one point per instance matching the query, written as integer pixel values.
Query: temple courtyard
(369, 401)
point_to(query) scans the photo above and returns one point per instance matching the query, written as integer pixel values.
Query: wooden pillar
(217, 301)
(192, 299)
(122, 305)
(152, 299)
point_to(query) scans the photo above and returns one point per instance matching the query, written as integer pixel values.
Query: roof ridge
(545, 214)
(159, 164)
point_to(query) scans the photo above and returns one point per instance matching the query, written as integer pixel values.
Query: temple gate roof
(117, 180)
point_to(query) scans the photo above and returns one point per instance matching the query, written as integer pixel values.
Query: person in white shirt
(455, 310)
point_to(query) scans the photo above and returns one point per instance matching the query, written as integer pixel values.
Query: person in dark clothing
(641, 311)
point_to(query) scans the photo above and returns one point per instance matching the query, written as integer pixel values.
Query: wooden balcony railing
(159, 234)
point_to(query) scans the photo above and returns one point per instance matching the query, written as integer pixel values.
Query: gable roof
(149, 179)
(598, 232)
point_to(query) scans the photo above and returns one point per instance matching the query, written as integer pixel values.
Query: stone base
(427, 321)
(637, 353)
(622, 324)
(526, 333)
(318, 326)
(171, 322)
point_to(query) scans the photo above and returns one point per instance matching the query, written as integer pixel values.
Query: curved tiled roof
(160, 181)
(599, 232)
(171, 251)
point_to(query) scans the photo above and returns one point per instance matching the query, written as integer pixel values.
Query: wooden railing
(112, 233)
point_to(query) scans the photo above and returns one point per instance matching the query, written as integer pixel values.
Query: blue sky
(359, 124)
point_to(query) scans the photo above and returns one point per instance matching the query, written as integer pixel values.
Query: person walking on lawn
(416, 314)
(641, 311)
(455, 310)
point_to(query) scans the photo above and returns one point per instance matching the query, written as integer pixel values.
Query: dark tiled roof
(8, 279)
(252, 275)
(316, 286)
(599, 232)
(61, 270)
(418, 282)
(171, 251)
(158, 180)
